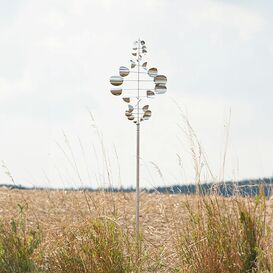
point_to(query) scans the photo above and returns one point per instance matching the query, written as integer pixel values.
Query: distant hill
(243, 188)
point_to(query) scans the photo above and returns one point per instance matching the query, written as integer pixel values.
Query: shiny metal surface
(160, 89)
(147, 113)
(150, 93)
(130, 108)
(126, 100)
(124, 71)
(128, 114)
(160, 79)
(145, 108)
(133, 64)
(152, 72)
(116, 80)
(116, 92)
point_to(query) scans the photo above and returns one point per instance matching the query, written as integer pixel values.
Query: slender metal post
(137, 158)
(137, 187)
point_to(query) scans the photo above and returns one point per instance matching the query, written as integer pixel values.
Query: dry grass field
(65, 231)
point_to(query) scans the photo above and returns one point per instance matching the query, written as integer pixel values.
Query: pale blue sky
(56, 58)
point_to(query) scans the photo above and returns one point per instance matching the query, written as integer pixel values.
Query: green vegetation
(98, 246)
(17, 245)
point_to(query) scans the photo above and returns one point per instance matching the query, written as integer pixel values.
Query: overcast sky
(56, 58)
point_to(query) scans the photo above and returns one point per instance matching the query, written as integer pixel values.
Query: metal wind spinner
(135, 95)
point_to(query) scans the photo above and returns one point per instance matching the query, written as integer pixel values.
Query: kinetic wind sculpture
(135, 97)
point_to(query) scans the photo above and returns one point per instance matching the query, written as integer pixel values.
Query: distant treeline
(243, 188)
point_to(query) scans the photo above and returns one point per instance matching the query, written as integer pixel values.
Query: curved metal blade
(124, 71)
(150, 93)
(128, 114)
(145, 108)
(152, 72)
(147, 113)
(116, 92)
(160, 89)
(126, 100)
(116, 80)
(130, 108)
(133, 64)
(160, 79)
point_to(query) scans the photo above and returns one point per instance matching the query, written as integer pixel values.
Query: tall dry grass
(180, 234)
(226, 235)
(74, 232)
(98, 245)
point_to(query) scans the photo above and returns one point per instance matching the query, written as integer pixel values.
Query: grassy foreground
(57, 231)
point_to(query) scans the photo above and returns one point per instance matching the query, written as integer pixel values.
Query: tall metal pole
(137, 186)
(138, 155)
